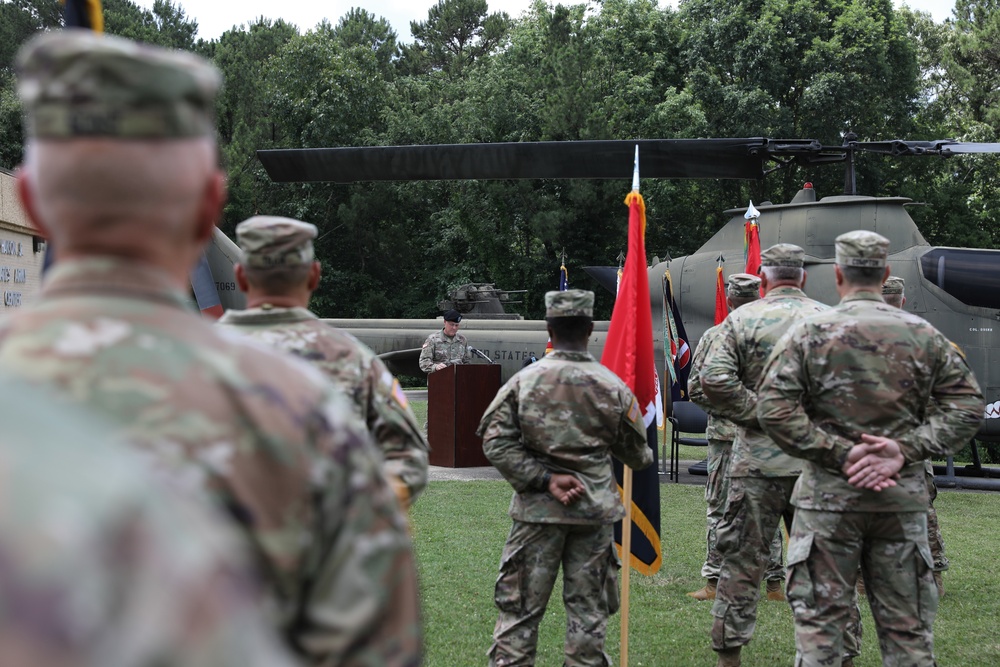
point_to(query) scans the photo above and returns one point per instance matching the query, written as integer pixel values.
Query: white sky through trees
(217, 16)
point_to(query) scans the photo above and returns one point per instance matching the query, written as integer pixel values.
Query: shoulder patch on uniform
(398, 393)
(633, 410)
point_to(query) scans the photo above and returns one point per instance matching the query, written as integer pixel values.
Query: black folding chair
(685, 417)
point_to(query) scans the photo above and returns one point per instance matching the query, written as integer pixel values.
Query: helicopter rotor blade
(739, 158)
(942, 147)
(658, 158)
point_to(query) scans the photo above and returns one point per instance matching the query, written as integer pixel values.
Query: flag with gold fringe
(721, 308)
(83, 14)
(628, 351)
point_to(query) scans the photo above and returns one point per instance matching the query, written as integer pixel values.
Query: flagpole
(627, 557)
(627, 483)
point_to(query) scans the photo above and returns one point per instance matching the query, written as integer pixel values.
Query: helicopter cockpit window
(971, 276)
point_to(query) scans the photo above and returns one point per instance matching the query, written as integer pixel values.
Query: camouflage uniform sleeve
(500, 430)
(695, 393)
(158, 583)
(395, 429)
(724, 391)
(631, 447)
(359, 600)
(956, 412)
(466, 351)
(427, 356)
(782, 415)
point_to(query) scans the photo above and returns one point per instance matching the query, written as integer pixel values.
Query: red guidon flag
(751, 240)
(628, 351)
(721, 309)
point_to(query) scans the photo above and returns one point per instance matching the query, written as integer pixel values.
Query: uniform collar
(785, 290)
(569, 355)
(113, 275)
(863, 296)
(268, 314)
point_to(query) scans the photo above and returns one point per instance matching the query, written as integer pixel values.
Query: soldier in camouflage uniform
(102, 565)
(865, 392)
(893, 291)
(551, 431)
(279, 274)
(741, 288)
(446, 347)
(761, 476)
(120, 172)
(893, 294)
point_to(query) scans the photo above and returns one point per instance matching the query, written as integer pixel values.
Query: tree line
(615, 69)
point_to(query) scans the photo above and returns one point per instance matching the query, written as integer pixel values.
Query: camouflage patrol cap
(893, 285)
(743, 285)
(269, 241)
(77, 83)
(862, 249)
(783, 254)
(569, 303)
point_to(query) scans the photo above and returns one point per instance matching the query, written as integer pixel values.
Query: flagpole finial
(752, 213)
(635, 171)
(721, 259)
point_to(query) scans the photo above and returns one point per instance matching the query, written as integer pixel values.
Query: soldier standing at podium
(446, 347)
(551, 431)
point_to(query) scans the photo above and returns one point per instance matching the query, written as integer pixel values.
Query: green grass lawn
(460, 527)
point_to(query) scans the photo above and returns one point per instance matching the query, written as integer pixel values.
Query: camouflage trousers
(824, 552)
(528, 568)
(852, 636)
(716, 493)
(934, 529)
(755, 508)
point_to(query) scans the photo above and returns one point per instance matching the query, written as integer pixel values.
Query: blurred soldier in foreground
(446, 347)
(279, 274)
(741, 289)
(865, 392)
(551, 431)
(761, 476)
(101, 565)
(120, 172)
(893, 293)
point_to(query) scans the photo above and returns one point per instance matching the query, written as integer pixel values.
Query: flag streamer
(628, 351)
(721, 309)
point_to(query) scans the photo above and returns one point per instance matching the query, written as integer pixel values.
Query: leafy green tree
(19, 20)
(246, 118)
(455, 34)
(165, 25)
(362, 29)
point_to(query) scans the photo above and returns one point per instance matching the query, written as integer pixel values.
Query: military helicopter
(951, 287)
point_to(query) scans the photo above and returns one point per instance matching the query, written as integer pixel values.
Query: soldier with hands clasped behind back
(551, 431)
(864, 392)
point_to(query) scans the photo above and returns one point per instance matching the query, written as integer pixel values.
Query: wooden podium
(457, 397)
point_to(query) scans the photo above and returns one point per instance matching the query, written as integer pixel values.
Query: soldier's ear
(241, 278)
(210, 207)
(315, 271)
(27, 198)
